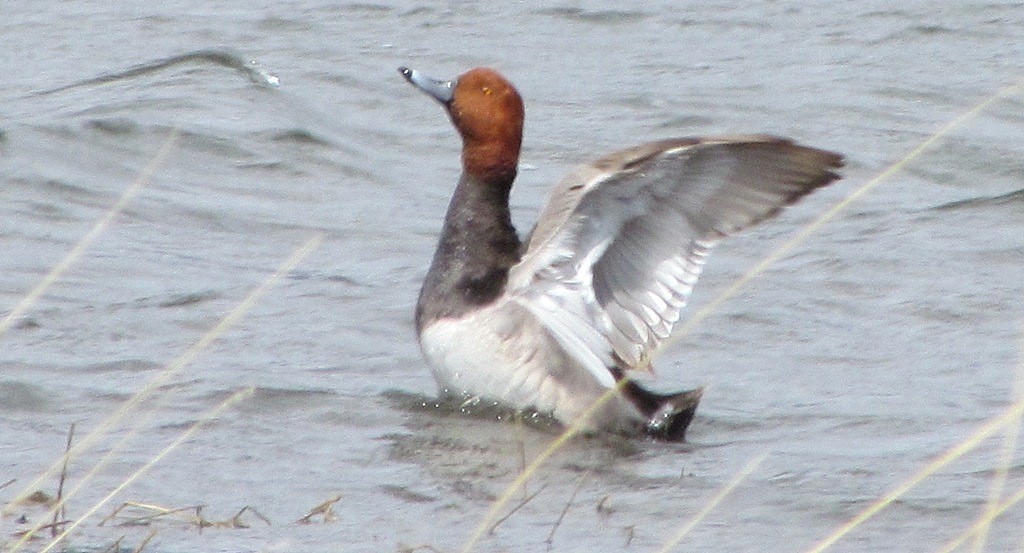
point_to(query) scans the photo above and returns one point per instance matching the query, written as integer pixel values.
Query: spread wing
(621, 242)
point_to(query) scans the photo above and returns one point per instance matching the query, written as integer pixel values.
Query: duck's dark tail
(668, 415)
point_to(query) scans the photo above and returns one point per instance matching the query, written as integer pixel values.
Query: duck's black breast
(478, 246)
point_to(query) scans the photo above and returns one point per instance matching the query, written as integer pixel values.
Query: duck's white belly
(502, 354)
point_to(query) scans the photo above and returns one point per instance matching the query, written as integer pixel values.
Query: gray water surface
(888, 336)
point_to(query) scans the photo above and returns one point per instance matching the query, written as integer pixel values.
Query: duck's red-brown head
(488, 113)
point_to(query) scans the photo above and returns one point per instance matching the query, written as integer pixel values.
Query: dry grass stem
(982, 523)
(233, 522)
(178, 364)
(225, 323)
(62, 266)
(62, 513)
(568, 505)
(193, 516)
(1010, 438)
(513, 511)
(521, 442)
(554, 446)
(1008, 416)
(32, 533)
(206, 418)
(777, 254)
(145, 542)
(153, 512)
(30, 299)
(742, 475)
(257, 514)
(324, 510)
(415, 548)
(114, 547)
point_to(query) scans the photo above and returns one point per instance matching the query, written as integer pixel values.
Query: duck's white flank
(502, 354)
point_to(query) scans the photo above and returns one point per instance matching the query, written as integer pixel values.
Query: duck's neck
(478, 246)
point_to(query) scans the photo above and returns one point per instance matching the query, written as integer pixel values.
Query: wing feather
(621, 243)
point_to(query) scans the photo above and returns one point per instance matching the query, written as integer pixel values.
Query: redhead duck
(554, 322)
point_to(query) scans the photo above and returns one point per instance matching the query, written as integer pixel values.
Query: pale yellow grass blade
(164, 375)
(692, 322)
(520, 481)
(1010, 438)
(995, 424)
(209, 416)
(742, 475)
(129, 193)
(983, 523)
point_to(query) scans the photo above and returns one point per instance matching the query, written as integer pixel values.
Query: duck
(564, 321)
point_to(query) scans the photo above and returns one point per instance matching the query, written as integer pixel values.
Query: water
(888, 336)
